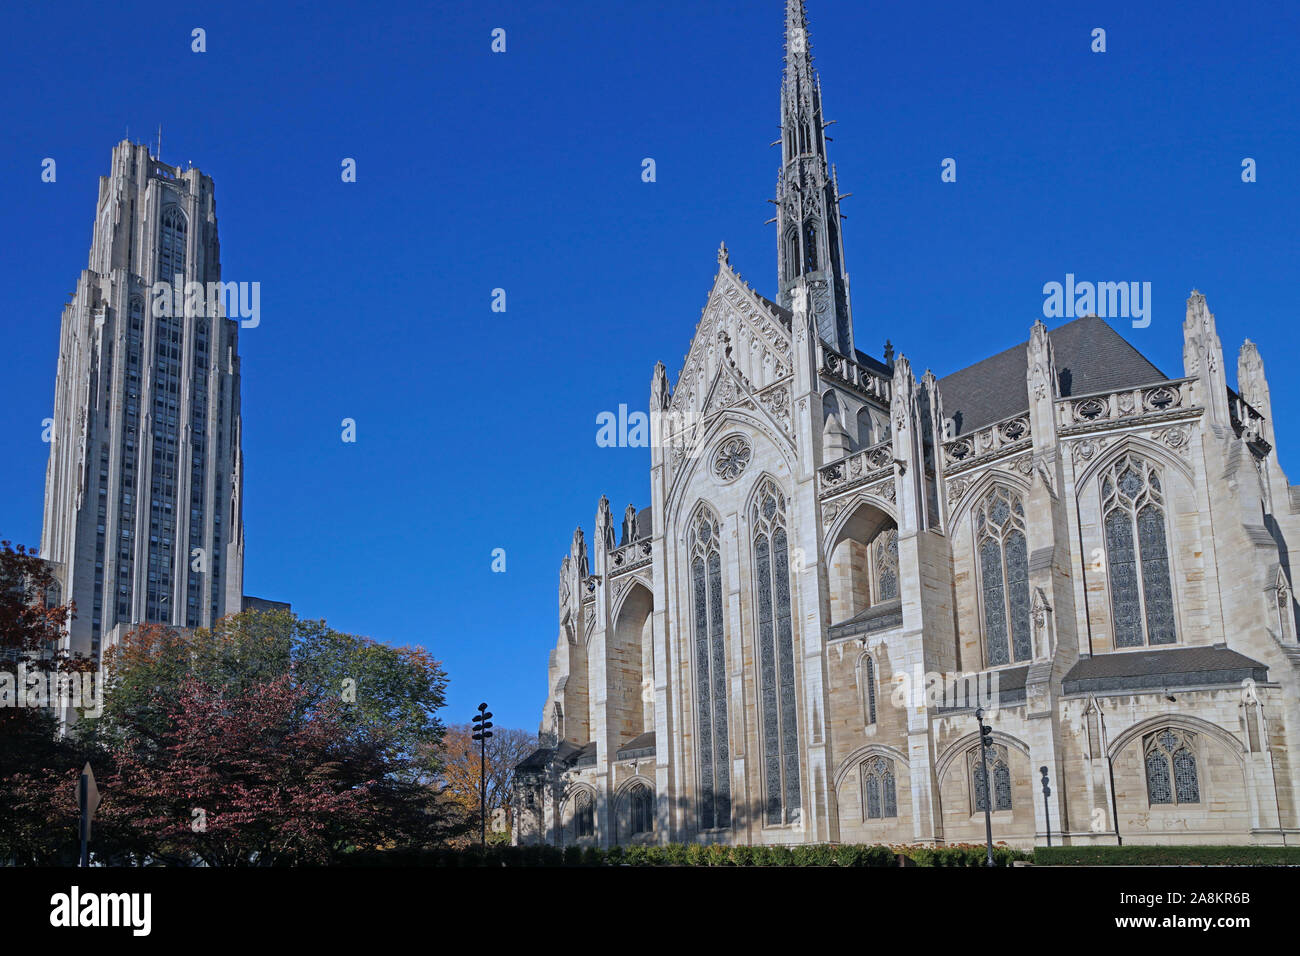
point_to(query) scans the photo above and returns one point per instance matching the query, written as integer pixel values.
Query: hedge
(1166, 856)
(691, 854)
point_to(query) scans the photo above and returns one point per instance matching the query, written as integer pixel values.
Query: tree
(33, 757)
(255, 776)
(460, 771)
(398, 689)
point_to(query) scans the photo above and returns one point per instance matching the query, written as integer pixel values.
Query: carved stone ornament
(731, 458)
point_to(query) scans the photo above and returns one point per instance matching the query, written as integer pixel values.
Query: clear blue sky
(476, 430)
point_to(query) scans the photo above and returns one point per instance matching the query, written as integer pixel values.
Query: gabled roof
(1090, 357)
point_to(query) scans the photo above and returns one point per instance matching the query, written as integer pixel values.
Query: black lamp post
(986, 741)
(482, 723)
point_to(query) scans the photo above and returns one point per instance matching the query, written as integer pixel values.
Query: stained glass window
(1137, 554)
(1000, 767)
(781, 791)
(885, 551)
(1170, 758)
(868, 674)
(1004, 577)
(584, 815)
(710, 673)
(881, 800)
(638, 810)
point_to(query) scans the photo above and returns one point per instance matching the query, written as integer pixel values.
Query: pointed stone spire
(1203, 358)
(605, 524)
(578, 555)
(659, 395)
(809, 243)
(1042, 384)
(1252, 385)
(630, 530)
(835, 440)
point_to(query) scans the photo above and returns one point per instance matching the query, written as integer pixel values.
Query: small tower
(809, 244)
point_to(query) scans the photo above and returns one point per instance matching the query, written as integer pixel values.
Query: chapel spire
(809, 244)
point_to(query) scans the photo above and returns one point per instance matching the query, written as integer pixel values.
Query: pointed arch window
(880, 792)
(810, 244)
(710, 672)
(1137, 553)
(584, 815)
(782, 802)
(638, 815)
(884, 552)
(999, 769)
(792, 260)
(867, 674)
(171, 244)
(1004, 577)
(1170, 758)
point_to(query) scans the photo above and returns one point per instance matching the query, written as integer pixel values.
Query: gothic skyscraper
(143, 510)
(809, 242)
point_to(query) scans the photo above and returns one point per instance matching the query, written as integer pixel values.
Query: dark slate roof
(875, 365)
(1010, 689)
(644, 526)
(877, 617)
(1160, 669)
(536, 760)
(1090, 357)
(785, 314)
(639, 746)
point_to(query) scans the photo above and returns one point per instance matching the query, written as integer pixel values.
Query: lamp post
(986, 741)
(1047, 807)
(482, 723)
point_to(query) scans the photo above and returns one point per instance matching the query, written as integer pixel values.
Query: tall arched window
(775, 656)
(171, 244)
(1004, 577)
(1170, 760)
(1137, 553)
(584, 815)
(885, 557)
(1000, 769)
(793, 262)
(710, 672)
(810, 244)
(637, 812)
(867, 674)
(880, 794)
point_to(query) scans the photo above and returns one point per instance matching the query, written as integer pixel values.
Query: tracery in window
(867, 674)
(999, 767)
(1170, 759)
(1004, 576)
(880, 794)
(782, 801)
(885, 559)
(584, 815)
(710, 672)
(1137, 553)
(637, 811)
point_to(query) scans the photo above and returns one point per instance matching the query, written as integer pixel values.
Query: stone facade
(143, 491)
(842, 558)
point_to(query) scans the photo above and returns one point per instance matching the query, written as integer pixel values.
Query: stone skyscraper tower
(143, 491)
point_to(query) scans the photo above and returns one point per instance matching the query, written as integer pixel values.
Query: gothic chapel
(1101, 544)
